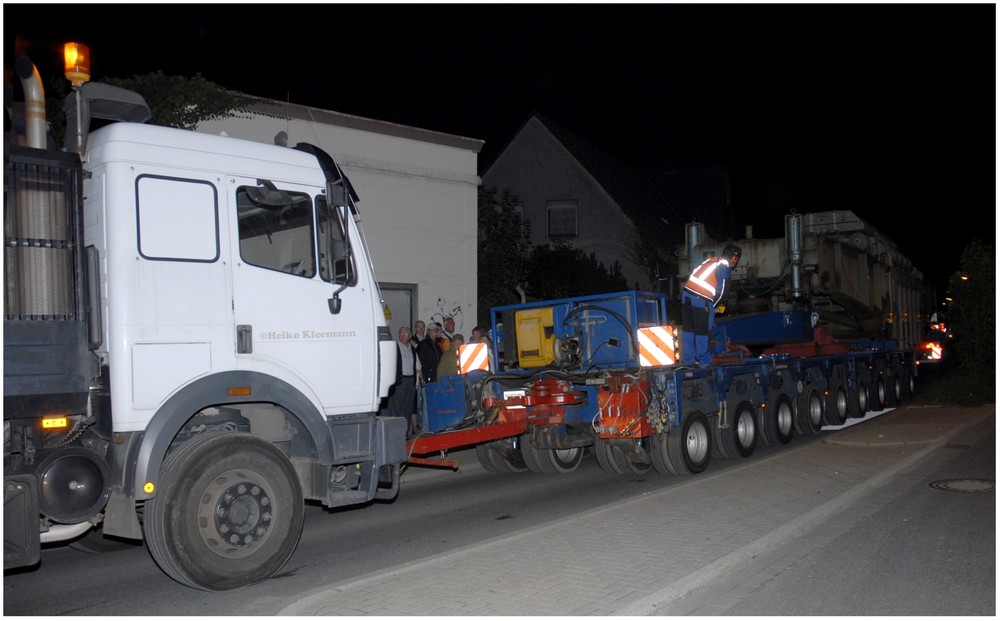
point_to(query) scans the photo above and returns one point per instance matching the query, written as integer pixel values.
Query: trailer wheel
(777, 422)
(722, 441)
(691, 450)
(661, 454)
(533, 457)
(634, 459)
(604, 453)
(809, 413)
(229, 512)
(836, 404)
(739, 439)
(489, 459)
(858, 399)
(550, 461)
(563, 460)
(512, 455)
(877, 392)
(894, 384)
(743, 433)
(906, 384)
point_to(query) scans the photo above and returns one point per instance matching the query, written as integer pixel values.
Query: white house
(418, 201)
(572, 191)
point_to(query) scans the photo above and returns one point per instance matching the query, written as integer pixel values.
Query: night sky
(885, 110)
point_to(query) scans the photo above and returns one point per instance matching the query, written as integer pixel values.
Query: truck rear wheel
(229, 512)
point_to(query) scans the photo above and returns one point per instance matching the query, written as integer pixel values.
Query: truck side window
(336, 259)
(276, 231)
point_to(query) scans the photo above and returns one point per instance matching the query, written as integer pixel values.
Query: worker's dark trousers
(698, 318)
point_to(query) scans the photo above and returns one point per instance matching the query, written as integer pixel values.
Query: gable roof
(639, 199)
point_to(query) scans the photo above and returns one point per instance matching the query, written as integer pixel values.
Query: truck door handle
(244, 339)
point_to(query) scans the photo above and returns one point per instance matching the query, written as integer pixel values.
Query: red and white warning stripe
(473, 357)
(657, 346)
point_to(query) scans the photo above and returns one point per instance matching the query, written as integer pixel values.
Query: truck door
(283, 280)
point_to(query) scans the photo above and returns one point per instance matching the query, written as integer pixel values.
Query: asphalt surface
(639, 556)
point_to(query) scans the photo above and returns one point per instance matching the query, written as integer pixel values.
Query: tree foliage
(174, 101)
(560, 271)
(177, 101)
(503, 251)
(972, 311)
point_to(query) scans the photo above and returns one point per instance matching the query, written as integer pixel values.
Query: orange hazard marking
(657, 346)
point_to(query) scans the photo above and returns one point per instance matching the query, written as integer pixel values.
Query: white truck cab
(233, 350)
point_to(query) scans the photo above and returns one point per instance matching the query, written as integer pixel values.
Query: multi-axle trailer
(599, 374)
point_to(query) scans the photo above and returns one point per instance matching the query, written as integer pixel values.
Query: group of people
(429, 351)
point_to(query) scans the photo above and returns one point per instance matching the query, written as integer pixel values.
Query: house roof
(340, 119)
(634, 193)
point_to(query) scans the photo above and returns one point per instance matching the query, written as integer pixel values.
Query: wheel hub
(242, 516)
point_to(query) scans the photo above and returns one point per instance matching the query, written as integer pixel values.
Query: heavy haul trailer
(598, 374)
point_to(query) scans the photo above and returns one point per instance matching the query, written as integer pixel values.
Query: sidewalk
(631, 557)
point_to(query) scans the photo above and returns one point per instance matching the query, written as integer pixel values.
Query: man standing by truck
(703, 292)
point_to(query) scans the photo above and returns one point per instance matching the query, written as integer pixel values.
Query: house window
(562, 218)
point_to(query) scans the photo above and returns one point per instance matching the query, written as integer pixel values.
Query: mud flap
(21, 540)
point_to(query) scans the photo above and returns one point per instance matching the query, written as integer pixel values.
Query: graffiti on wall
(445, 310)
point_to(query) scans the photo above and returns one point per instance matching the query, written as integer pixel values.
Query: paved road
(641, 556)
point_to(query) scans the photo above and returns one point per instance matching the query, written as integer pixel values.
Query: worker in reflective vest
(704, 290)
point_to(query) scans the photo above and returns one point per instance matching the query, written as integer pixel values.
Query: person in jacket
(403, 394)
(429, 352)
(449, 359)
(703, 292)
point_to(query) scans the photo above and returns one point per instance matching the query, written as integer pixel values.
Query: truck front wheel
(228, 513)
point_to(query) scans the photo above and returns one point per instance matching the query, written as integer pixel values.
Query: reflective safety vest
(704, 280)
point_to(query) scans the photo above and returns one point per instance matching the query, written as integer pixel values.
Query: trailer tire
(690, 451)
(635, 459)
(777, 423)
(744, 430)
(532, 456)
(550, 461)
(562, 461)
(229, 512)
(512, 455)
(836, 404)
(906, 383)
(858, 399)
(604, 453)
(809, 413)
(661, 454)
(739, 439)
(877, 392)
(489, 459)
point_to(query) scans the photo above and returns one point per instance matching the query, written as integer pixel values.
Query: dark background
(884, 110)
